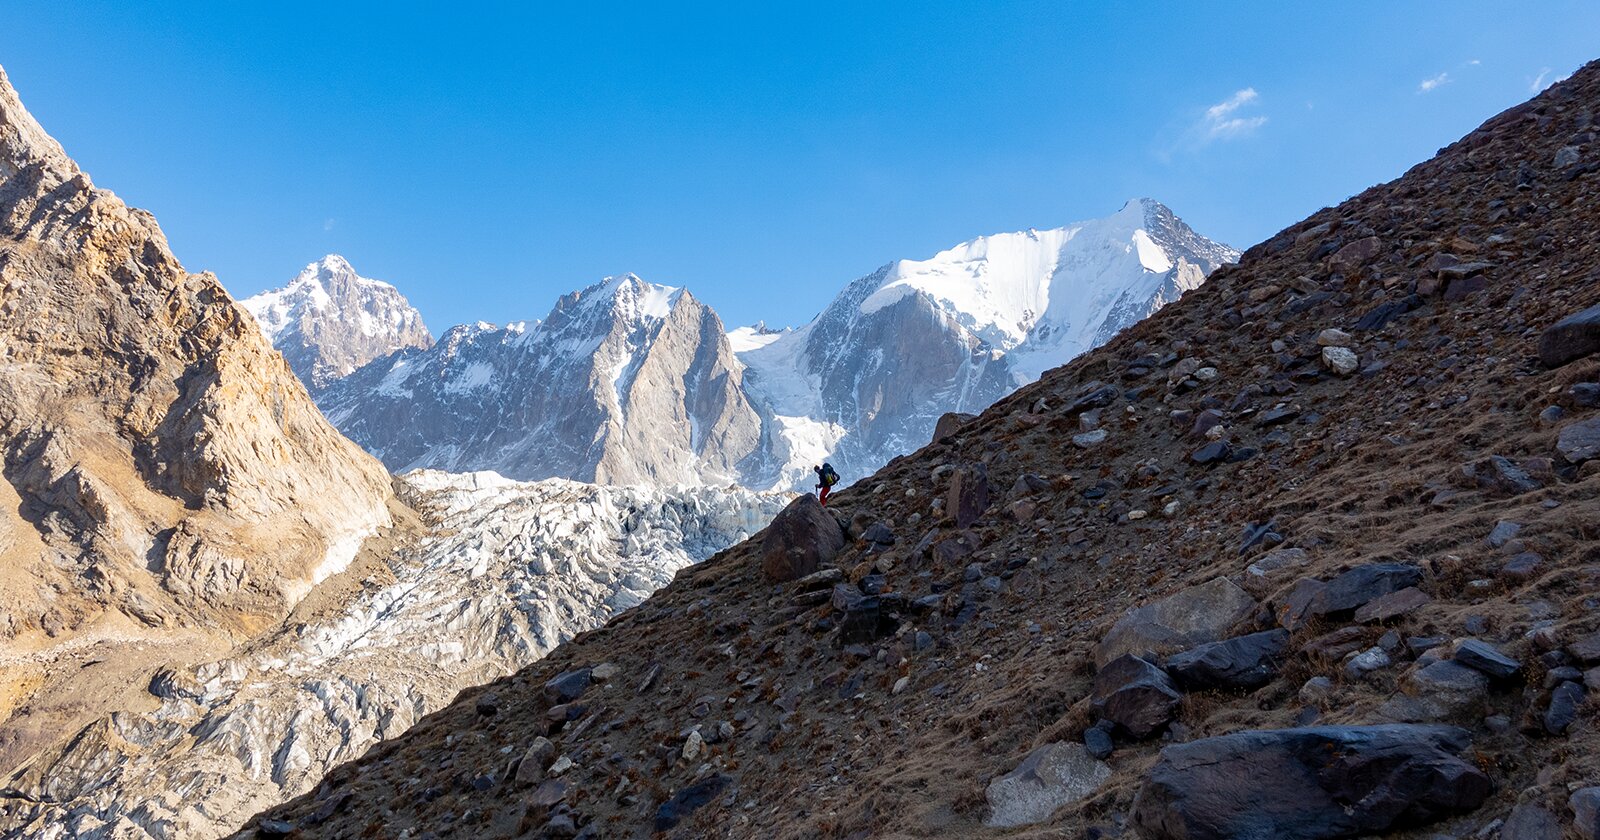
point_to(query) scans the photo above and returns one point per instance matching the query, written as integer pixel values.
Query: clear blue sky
(488, 157)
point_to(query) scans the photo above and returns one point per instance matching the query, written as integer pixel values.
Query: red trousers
(822, 494)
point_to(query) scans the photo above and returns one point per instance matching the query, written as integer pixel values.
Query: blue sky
(489, 157)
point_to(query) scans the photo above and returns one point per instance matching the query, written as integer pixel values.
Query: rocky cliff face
(506, 572)
(165, 476)
(329, 321)
(625, 382)
(1308, 553)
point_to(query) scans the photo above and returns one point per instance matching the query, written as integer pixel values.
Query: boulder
(1180, 621)
(1579, 442)
(968, 497)
(1571, 338)
(1562, 712)
(1353, 589)
(1441, 690)
(1307, 783)
(1342, 361)
(1135, 695)
(1392, 606)
(1530, 821)
(1050, 777)
(1585, 804)
(950, 423)
(1484, 657)
(802, 537)
(690, 799)
(1242, 663)
(1278, 560)
(567, 686)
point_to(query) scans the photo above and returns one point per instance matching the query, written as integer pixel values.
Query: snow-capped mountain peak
(329, 320)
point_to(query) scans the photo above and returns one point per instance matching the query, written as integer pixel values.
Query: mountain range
(632, 382)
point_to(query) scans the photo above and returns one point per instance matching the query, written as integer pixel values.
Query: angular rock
(690, 799)
(1585, 805)
(1441, 690)
(1571, 338)
(1484, 657)
(1586, 649)
(1580, 441)
(1308, 783)
(1355, 588)
(1051, 776)
(1211, 453)
(1341, 360)
(538, 756)
(800, 539)
(968, 497)
(1504, 532)
(1530, 821)
(950, 423)
(1565, 701)
(1187, 618)
(1241, 663)
(1279, 559)
(1097, 740)
(1135, 695)
(1522, 568)
(568, 685)
(1332, 337)
(1089, 440)
(1393, 605)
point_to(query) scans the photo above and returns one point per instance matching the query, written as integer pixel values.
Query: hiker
(826, 478)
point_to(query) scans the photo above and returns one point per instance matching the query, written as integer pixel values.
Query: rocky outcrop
(799, 540)
(329, 321)
(625, 382)
(1309, 783)
(166, 476)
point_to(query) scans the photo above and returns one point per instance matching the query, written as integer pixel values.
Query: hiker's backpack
(829, 477)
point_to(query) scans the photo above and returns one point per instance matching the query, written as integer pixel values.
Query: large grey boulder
(1193, 616)
(1244, 662)
(1315, 782)
(1050, 777)
(1135, 695)
(1579, 442)
(968, 496)
(801, 538)
(1573, 337)
(1585, 804)
(1441, 690)
(949, 423)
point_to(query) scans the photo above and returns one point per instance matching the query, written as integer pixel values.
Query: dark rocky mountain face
(1316, 540)
(624, 382)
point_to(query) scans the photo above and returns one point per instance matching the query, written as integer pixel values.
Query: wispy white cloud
(1474, 63)
(1433, 84)
(328, 224)
(1544, 80)
(1223, 122)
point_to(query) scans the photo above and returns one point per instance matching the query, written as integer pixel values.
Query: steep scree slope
(1415, 493)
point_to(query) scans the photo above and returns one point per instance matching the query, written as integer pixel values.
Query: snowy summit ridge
(629, 381)
(329, 321)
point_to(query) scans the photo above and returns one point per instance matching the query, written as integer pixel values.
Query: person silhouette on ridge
(826, 478)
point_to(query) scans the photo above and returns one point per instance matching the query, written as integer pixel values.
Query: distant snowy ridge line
(629, 382)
